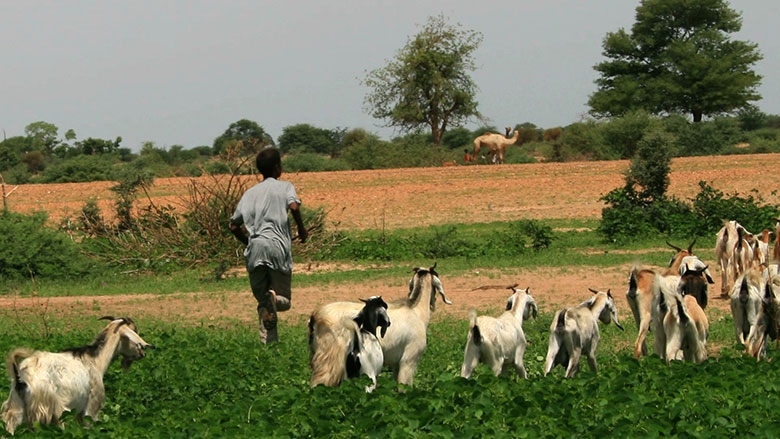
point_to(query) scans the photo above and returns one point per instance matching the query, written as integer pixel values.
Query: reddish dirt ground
(417, 197)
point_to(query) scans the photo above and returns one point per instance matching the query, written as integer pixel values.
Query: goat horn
(512, 287)
(592, 291)
(110, 318)
(673, 246)
(690, 247)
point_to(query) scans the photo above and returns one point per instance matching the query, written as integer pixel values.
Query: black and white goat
(402, 346)
(575, 331)
(365, 354)
(46, 384)
(499, 341)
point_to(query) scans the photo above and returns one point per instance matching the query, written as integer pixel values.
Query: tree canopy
(427, 83)
(678, 58)
(305, 138)
(249, 132)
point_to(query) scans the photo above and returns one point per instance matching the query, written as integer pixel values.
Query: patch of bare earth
(553, 288)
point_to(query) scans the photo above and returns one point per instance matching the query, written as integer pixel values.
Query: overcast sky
(179, 72)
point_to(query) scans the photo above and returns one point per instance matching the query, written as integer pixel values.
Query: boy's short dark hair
(267, 160)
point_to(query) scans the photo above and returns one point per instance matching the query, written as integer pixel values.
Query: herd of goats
(343, 339)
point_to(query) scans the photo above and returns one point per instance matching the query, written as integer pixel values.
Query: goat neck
(422, 294)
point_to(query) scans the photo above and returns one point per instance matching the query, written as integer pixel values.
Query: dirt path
(553, 289)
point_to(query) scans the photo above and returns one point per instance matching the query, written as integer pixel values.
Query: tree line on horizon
(676, 70)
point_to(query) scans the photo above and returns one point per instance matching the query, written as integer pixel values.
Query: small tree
(650, 167)
(427, 84)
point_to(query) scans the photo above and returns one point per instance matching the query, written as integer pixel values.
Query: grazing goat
(746, 302)
(575, 330)
(365, 355)
(768, 321)
(402, 346)
(46, 384)
(499, 341)
(686, 328)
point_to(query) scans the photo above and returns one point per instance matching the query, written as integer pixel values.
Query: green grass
(212, 381)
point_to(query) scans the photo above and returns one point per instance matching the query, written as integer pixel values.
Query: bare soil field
(415, 197)
(396, 198)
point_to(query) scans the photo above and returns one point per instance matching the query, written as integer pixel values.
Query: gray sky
(178, 72)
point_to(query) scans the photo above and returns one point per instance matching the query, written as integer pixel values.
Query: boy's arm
(236, 230)
(295, 209)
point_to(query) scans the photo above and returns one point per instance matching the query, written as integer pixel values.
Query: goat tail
(682, 313)
(476, 335)
(330, 349)
(632, 282)
(12, 362)
(561, 323)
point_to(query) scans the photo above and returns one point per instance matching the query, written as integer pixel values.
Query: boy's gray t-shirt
(263, 211)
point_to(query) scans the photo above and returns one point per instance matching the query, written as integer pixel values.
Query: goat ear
(363, 300)
(768, 293)
(415, 269)
(592, 291)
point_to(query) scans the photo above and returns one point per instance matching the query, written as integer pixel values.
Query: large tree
(678, 58)
(427, 83)
(307, 138)
(252, 136)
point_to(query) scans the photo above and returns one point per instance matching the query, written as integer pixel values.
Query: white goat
(746, 302)
(46, 384)
(686, 327)
(761, 246)
(729, 238)
(575, 330)
(402, 346)
(499, 341)
(365, 353)
(768, 321)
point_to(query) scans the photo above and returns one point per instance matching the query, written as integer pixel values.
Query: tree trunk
(436, 134)
(697, 116)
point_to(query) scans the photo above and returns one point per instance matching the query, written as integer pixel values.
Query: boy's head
(269, 162)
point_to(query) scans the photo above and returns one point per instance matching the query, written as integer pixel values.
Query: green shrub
(628, 215)
(81, 168)
(651, 165)
(310, 162)
(622, 135)
(713, 206)
(29, 248)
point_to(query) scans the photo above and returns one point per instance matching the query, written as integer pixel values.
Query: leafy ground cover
(212, 381)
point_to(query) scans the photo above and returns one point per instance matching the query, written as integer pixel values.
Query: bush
(628, 215)
(81, 168)
(622, 135)
(309, 162)
(713, 206)
(29, 248)
(650, 167)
